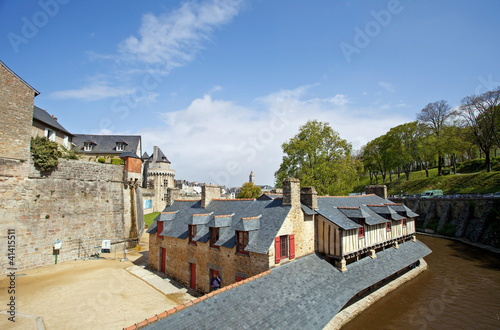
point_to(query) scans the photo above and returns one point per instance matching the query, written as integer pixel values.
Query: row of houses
(239, 238)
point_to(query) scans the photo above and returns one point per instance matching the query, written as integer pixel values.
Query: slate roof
(303, 294)
(44, 117)
(344, 211)
(106, 144)
(261, 218)
(403, 209)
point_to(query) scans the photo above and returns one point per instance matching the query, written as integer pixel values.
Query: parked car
(432, 193)
(497, 194)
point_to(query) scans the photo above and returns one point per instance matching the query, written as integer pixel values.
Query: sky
(220, 85)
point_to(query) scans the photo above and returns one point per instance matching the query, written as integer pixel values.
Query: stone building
(78, 202)
(16, 115)
(48, 126)
(236, 239)
(158, 177)
(93, 146)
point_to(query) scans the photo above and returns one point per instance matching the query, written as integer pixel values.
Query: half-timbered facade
(356, 226)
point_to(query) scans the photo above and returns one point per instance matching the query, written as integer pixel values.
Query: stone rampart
(78, 202)
(474, 219)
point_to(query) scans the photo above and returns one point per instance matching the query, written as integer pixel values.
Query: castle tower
(251, 178)
(158, 178)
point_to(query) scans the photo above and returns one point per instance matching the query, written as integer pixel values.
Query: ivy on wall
(45, 153)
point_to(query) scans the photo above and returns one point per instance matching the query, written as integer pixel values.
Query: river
(460, 290)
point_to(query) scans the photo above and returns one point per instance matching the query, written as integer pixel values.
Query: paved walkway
(306, 293)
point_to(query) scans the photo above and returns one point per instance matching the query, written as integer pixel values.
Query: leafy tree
(480, 113)
(379, 154)
(44, 153)
(249, 190)
(320, 158)
(435, 115)
(403, 142)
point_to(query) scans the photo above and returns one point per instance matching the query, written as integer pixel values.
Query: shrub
(448, 229)
(44, 153)
(69, 153)
(117, 161)
(101, 160)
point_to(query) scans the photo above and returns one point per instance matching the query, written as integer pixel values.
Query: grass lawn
(481, 182)
(149, 218)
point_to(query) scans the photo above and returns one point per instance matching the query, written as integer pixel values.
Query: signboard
(57, 245)
(148, 204)
(106, 246)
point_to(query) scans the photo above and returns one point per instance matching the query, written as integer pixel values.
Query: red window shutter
(292, 246)
(277, 247)
(159, 229)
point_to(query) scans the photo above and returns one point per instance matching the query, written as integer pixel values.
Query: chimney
(172, 194)
(379, 190)
(55, 118)
(309, 197)
(155, 154)
(291, 192)
(209, 192)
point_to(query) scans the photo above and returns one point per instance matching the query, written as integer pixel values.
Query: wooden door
(192, 283)
(163, 259)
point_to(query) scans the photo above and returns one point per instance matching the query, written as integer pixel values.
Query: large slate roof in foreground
(306, 293)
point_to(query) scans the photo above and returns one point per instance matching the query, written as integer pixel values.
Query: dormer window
(404, 222)
(88, 146)
(214, 237)
(388, 226)
(120, 146)
(241, 242)
(361, 230)
(192, 234)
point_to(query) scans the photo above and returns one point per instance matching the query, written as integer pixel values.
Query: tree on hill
(480, 113)
(318, 157)
(249, 190)
(435, 115)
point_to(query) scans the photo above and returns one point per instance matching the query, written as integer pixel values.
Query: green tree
(44, 153)
(435, 115)
(249, 190)
(319, 158)
(403, 142)
(480, 114)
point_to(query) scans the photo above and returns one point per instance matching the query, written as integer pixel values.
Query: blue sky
(219, 85)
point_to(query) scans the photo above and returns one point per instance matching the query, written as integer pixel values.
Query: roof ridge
(348, 207)
(346, 196)
(233, 199)
(186, 200)
(200, 214)
(250, 218)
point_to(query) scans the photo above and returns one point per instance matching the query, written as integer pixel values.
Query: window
(388, 226)
(87, 146)
(165, 183)
(214, 237)
(361, 230)
(192, 234)
(66, 141)
(404, 222)
(241, 242)
(165, 197)
(50, 134)
(159, 229)
(284, 247)
(120, 146)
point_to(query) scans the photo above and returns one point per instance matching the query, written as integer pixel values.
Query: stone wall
(475, 219)
(16, 115)
(179, 254)
(78, 202)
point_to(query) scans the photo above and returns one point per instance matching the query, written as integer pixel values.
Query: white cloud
(94, 91)
(218, 141)
(387, 86)
(173, 39)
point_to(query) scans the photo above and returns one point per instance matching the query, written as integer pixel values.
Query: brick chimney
(309, 197)
(379, 190)
(172, 194)
(209, 192)
(291, 192)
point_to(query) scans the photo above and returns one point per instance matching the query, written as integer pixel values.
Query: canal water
(460, 290)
